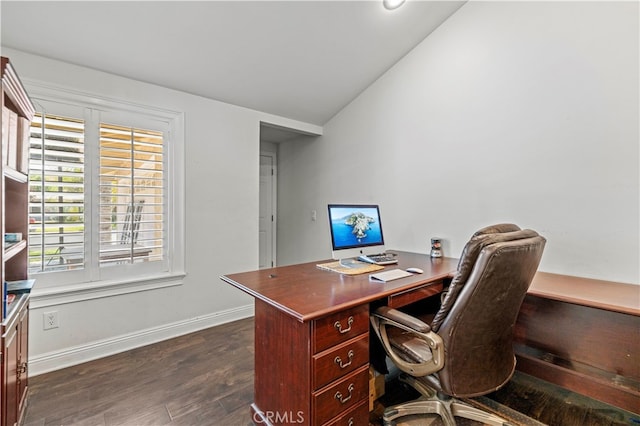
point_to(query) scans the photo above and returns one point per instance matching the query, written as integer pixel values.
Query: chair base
(433, 403)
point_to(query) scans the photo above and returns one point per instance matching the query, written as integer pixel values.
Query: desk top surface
(307, 292)
(608, 295)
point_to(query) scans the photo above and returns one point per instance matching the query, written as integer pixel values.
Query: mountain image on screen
(356, 228)
(360, 224)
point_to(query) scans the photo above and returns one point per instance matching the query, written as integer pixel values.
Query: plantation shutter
(132, 198)
(56, 194)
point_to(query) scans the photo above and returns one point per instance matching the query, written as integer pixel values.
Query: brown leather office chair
(465, 350)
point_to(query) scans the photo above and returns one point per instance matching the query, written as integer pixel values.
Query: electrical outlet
(50, 320)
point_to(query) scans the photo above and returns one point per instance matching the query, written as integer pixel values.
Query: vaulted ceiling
(303, 60)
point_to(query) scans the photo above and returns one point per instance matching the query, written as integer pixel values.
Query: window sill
(52, 296)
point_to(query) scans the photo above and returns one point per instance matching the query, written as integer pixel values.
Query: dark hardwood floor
(206, 378)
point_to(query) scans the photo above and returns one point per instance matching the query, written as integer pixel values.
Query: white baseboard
(45, 363)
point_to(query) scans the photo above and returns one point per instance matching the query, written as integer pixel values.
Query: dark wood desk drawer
(340, 360)
(407, 297)
(330, 401)
(340, 327)
(358, 416)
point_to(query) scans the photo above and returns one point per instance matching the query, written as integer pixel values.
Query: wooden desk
(312, 336)
(584, 335)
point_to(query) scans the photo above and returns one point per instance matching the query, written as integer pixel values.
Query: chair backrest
(466, 264)
(477, 317)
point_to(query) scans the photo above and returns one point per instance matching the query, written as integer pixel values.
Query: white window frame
(92, 281)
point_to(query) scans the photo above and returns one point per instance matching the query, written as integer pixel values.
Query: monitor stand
(351, 262)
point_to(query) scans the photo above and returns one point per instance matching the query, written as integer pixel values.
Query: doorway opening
(270, 137)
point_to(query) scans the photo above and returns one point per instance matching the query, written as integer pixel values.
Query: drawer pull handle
(338, 326)
(351, 421)
(342, 400)
(338, 360)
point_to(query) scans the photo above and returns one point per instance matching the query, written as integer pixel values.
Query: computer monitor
(355, 229)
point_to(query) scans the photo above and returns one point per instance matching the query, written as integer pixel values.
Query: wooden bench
(584, 335)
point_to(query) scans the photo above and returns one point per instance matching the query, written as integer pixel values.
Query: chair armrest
(385, 317)
(404, 319)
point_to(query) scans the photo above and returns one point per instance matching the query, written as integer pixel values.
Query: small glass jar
(436, 247)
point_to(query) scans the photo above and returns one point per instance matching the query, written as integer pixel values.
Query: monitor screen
(356, 229)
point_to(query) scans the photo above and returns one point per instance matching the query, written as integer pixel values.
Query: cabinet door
(1, 384)
(23, 351)
(11, 376)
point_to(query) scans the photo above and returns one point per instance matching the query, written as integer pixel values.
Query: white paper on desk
(389, 275)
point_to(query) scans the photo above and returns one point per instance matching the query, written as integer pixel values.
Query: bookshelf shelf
(13, 249)
(15, 175)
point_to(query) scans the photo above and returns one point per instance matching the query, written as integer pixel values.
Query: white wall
(524, 112)
(222, 162)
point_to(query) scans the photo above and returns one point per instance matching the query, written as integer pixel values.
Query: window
(104, 202)
(56, 194)
(131, 195)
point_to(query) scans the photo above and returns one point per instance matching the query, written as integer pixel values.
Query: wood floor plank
(96, 420)
(238, 400)
(156, 415)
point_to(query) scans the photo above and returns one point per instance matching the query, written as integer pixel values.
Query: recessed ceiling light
(392, 4)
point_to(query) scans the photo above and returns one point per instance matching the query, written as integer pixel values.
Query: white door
(267, 222)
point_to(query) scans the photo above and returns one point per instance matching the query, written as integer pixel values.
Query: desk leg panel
(282, 380)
